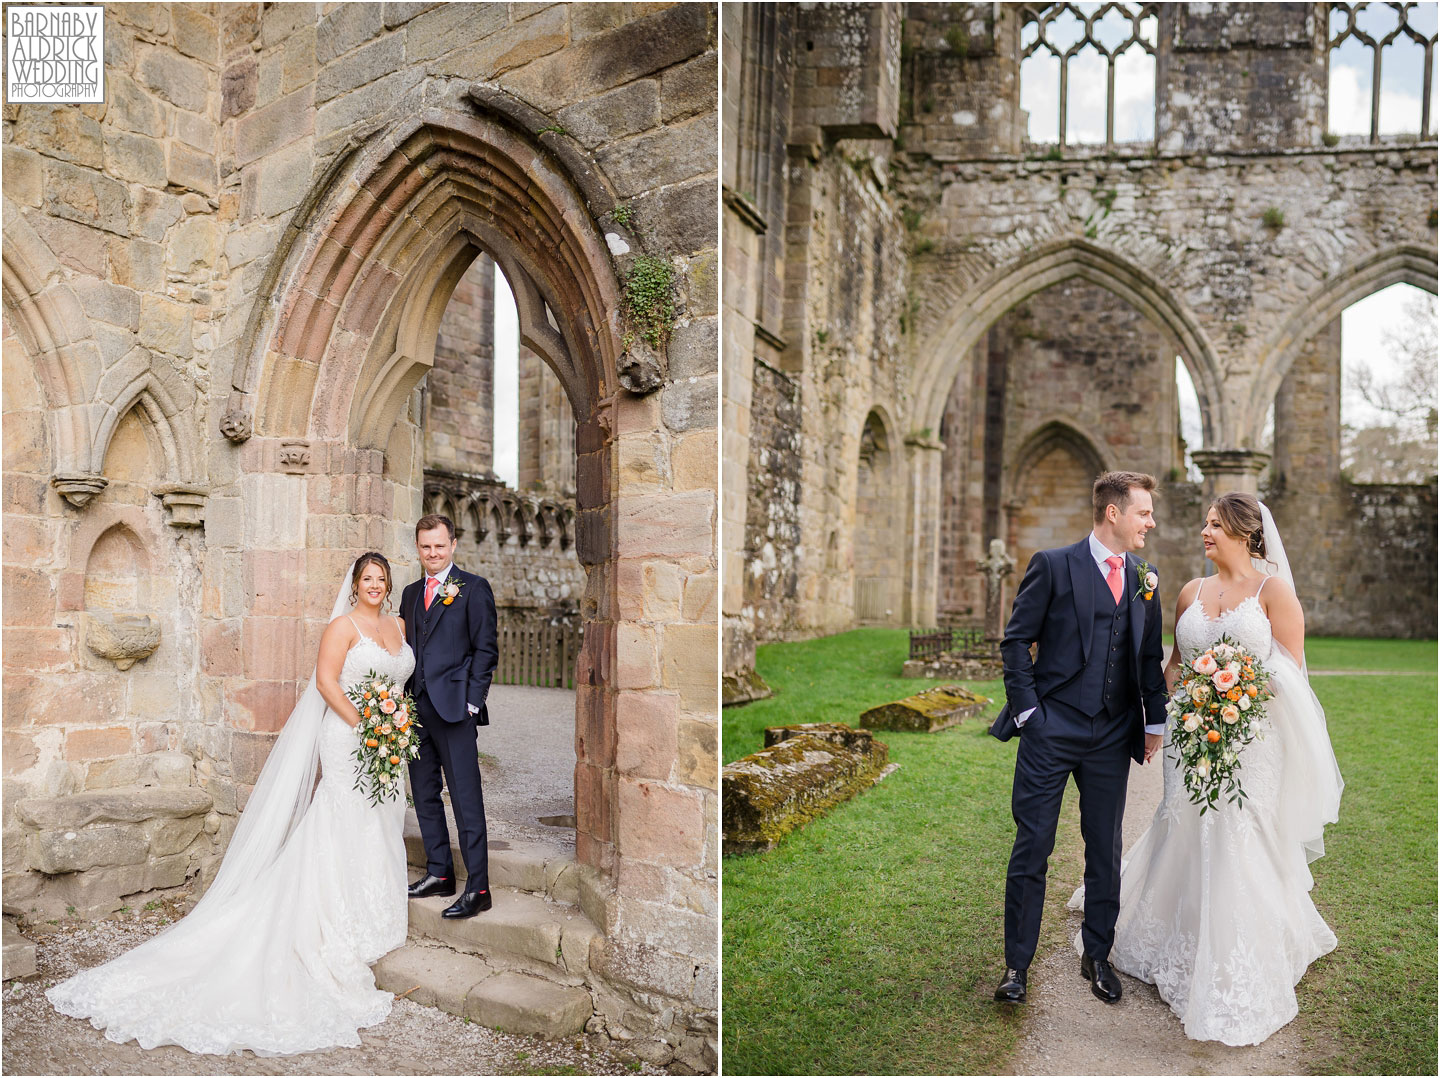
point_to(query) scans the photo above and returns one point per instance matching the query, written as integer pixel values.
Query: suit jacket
(1054, 608)
(459, 643)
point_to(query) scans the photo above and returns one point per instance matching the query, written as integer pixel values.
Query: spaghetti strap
(357, 627)
(1261, 587)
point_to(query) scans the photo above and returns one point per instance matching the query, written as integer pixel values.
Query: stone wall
(772, 535)
(459, 404)
(1232, 240)
(223, 290)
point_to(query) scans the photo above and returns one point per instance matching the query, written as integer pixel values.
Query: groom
(450, 624)
(1092, 700)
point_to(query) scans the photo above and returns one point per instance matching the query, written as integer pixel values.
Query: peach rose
(1230, 713)
(1200, 692)
(387, 706)
(1205, 665)
(1225, 680)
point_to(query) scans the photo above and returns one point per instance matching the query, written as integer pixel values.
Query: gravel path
(414, 1040)
(1069, 1031)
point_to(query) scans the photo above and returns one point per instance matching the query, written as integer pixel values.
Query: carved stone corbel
(295, 455)
(124, 639)
(78, 488)
(184, 505)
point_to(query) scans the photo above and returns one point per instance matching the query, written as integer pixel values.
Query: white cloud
(1364, 339)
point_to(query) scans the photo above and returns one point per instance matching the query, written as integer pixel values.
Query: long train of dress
(282, 965)
(1215, 910)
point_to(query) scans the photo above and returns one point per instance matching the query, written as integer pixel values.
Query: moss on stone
(928, 711)
(768, 794)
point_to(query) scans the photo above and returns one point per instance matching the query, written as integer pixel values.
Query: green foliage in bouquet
(388, 736)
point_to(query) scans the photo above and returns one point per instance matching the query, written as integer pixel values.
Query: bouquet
(387, 732)
(1216, 708)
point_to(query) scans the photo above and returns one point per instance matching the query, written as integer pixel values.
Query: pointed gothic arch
(940, 357)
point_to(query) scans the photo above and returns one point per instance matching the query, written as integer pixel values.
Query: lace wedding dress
(1215, 910)
(280, 963)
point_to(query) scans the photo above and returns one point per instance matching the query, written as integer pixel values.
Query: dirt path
(1069, 1031)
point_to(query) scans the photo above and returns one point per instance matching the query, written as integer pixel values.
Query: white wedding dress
(1215, 910)
(280, 962)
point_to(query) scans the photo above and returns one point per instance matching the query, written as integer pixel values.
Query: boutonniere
(449, 590)
(1148, 581)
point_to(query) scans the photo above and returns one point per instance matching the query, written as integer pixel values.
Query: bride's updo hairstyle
(1240, 517)
(370, 557)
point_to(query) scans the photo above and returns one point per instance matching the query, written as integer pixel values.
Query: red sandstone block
(659, 824)
(259, 706)
(220, 648)
(29, 597)
(273, 648)
(274, 580)
(594, 735)
(637, 664)
(99, 744)
(645, 739)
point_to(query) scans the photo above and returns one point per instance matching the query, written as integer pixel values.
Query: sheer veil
(283, 790)
(1311, 784)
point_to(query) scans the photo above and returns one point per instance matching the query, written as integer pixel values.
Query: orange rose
(447, 601)
(367, 712)
(1213, 736)
(1253, 691)
(372, 743)
(384, 694)
(367, 696)
(396, 759)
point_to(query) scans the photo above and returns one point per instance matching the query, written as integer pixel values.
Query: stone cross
(995, 568)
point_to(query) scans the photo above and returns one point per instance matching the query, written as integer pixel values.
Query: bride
(275, 957)
(1215, 910)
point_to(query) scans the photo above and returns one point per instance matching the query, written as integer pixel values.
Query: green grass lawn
(870, 941)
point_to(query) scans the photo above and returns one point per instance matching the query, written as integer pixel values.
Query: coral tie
(1115, 578)
(432, 586)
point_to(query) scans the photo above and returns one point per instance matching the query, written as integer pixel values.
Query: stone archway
(941, 357)
(948, 354)
(877, 568)
(1403, 264)
(1048, 481)
(351, 330)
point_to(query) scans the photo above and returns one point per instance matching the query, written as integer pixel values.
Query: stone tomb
(927, 711)
(804, 771)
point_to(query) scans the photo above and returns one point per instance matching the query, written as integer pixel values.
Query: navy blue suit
(456, 649)
(1096, 678)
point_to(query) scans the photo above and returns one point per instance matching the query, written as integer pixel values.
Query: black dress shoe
(428, 885)
(468, 905)
(1012, 988)
(1103, 981)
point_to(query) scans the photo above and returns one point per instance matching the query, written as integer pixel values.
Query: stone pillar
(926, 458)
(460, 388)
(1238, 76)
(1230, 469)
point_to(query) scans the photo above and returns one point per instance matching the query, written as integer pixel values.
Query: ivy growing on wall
(649, 300)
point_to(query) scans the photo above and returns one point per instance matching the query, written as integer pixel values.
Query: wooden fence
(965, 642)
(535, 652)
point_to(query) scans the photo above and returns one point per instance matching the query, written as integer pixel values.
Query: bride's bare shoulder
(1188, 593)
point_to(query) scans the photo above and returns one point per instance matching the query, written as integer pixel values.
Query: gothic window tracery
(1083, 43)
(1368, 33)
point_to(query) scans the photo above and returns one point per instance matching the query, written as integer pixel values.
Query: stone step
(19, 954)
(520, 930)
(471, 987)
(523, 866)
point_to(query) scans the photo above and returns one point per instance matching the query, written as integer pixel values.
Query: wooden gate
(535, 652)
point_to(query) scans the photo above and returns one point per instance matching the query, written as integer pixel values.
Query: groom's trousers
(1096, 750)
(448, 751)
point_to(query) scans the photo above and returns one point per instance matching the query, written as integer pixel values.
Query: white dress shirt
(1099, 551)
(440, 579)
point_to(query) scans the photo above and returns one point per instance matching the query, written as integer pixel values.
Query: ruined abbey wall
(1231, 240)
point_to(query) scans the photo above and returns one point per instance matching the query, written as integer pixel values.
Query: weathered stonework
(1003, 318)
(927, 711)
(802, 772)
(223, 294)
